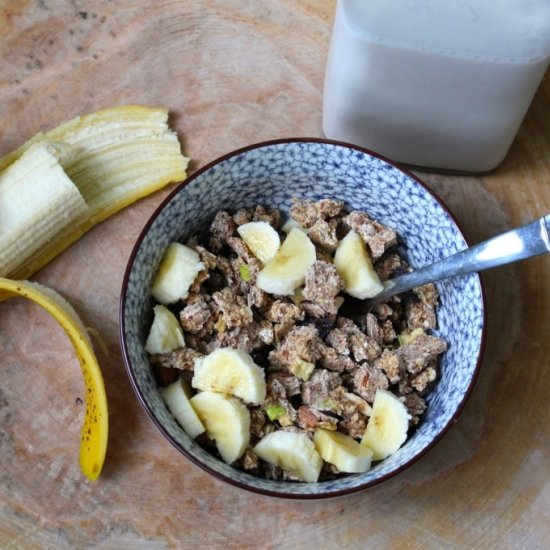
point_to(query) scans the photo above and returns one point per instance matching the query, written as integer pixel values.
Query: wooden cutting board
(234, 73)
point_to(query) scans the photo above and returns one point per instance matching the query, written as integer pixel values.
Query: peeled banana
(354, 266)
(233, 372)
(342, 450)
(262, 239)
(178, 269)
(227, 421)
(286, 271)
(95, 429)
(388, 425)
(290, 224)
(112, 157)
(165, 333)
(292, 451)
(177, 398)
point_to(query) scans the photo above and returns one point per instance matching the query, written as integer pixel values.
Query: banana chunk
(233, 372)
(354, 266)
(177, 271)
(165, 334)
(342, 450)
(388, 425)
(290, 224)
(227, 422)
(262, 239)
(292, 451)
(286, 271)
(177, 398)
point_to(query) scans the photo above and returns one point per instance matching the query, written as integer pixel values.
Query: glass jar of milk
(437, 84)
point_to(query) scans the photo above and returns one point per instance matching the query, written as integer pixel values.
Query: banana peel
(95, 430)
(56, 187)
(113, 157)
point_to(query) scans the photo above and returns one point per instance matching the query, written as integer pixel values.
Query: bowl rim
(133, 381)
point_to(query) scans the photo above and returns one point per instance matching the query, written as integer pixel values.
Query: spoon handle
(518, 244)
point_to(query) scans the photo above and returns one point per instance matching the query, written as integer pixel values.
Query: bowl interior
(271, 174)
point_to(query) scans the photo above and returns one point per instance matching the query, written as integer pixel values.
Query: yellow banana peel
(95, 430)
(57, 186)
(112, 157)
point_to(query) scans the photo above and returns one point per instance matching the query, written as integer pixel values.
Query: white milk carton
(438, 84)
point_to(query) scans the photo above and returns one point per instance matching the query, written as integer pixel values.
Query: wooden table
(234, 73)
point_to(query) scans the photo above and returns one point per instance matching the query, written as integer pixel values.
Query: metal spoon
(518, 244)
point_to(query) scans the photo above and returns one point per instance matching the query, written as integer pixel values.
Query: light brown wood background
(234, 73)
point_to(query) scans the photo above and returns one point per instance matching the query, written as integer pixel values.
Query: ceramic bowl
(271, 174)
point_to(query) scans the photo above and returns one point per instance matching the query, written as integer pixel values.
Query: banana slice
(227, 422)
(286, 271)
(355, 267)
(262, 239)
(95, 430)
(114, 157)
(388, 425)
(342, 450)
(177, 271)
(292, 451)
(230, 371)
(291, 223)
(176, 396)
(165, 334)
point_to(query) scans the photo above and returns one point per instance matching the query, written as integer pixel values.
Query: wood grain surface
(234, 73)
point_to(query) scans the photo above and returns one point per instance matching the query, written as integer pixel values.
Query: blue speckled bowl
(271, 174)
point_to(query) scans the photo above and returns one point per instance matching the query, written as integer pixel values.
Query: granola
(323, 362)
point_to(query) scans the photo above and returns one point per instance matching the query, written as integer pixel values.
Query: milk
(433, 83)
